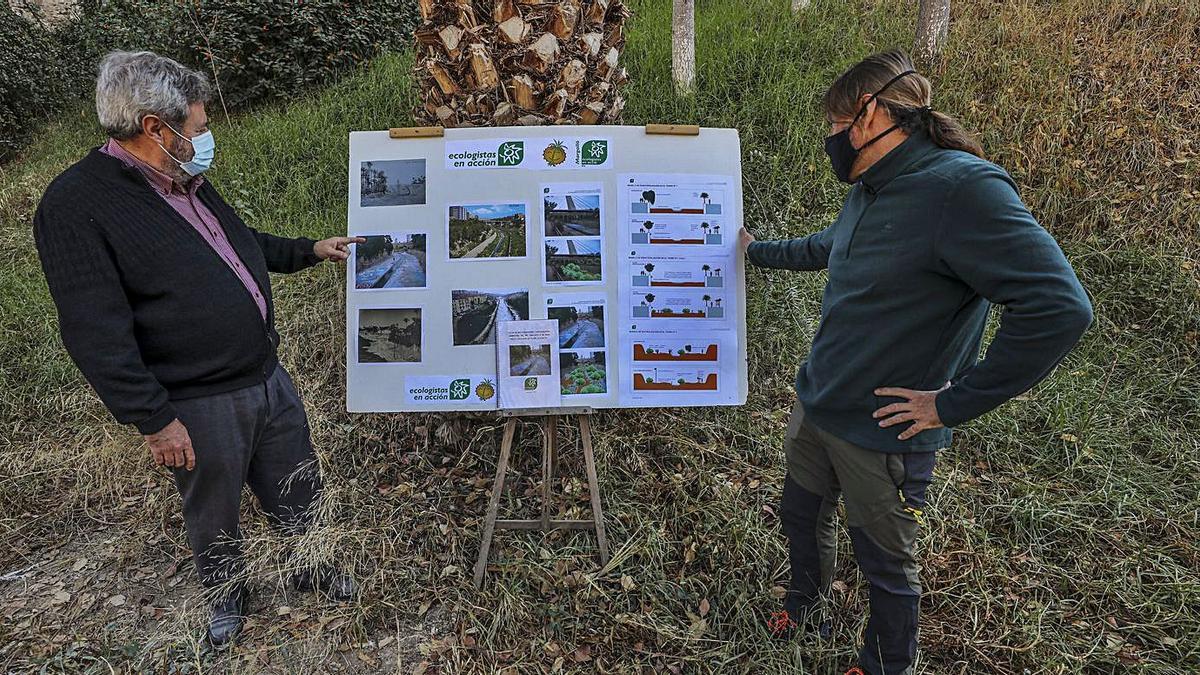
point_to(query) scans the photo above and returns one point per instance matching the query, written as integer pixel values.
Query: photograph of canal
(579, 326)
(389, 335)
(570, 212)
(573, 260)
(394, 182)
(527, 360)
(386, 261)
(486, 231)
(475, 313)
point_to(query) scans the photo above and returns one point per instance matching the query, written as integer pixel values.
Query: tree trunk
(933, 23)
(499, 62)
(683, 45)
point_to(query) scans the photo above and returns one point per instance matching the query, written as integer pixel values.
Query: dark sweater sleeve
(809, 253)
(94, 316)
(286, 255)
(991, 241)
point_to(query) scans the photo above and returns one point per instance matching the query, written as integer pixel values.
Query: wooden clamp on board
(674, 129)
(549, 423)
(416, 132)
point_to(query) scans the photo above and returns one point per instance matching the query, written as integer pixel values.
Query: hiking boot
(228, 616)
(336, 584)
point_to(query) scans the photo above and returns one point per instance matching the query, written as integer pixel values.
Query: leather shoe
(336, 584)
(228, 616)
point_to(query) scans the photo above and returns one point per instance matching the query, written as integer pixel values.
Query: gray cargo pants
(257, 436)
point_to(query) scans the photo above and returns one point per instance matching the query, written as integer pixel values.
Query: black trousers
(257, 436)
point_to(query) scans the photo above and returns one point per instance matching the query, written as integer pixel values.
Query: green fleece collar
(896, 162)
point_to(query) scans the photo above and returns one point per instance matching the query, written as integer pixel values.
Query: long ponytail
(906, 100)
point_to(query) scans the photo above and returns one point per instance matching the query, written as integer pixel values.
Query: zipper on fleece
(854, 230)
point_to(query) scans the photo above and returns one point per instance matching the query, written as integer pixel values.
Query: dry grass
(1063, 527)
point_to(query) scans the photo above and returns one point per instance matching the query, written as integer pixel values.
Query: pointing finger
(895, 391)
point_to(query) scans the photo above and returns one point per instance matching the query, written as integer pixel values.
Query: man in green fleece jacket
(929, 237)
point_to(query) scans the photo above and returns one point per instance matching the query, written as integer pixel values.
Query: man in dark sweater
(164, 303)
(929, 237)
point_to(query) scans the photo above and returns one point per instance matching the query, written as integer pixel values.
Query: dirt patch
(120, 601)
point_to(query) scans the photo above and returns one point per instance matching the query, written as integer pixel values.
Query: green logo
(594, 152)
(460, 389)
(530, 383)
(511, 153)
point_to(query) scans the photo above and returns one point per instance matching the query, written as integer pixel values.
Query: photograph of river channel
(390, 261)
(476, 313)
(389, 335)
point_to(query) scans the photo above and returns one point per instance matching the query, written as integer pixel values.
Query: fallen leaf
(116, 600)
(704, 607)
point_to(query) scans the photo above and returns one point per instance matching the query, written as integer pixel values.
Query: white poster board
(627, 239)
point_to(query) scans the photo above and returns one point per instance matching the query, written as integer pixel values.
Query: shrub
(258, 49)
(30, 87)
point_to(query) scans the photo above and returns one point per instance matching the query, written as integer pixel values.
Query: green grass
(1063, 527)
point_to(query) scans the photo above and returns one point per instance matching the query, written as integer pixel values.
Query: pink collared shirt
(185, 202)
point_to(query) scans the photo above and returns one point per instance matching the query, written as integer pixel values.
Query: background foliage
(258, 49)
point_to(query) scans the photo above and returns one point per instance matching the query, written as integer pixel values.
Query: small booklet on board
(527, 360)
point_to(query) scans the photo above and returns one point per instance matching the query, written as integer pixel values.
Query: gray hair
(132, 85)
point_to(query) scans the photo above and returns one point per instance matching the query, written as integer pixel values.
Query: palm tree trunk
(501, 62)
(933, 24)
(683, 45)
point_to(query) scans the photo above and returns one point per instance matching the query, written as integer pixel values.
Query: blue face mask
(204, 148)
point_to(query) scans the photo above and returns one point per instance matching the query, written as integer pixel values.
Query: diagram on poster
(660, 232)
(666, 365)
(605, 236)
(675, 300)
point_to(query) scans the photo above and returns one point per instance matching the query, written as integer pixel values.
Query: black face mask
(841, 151)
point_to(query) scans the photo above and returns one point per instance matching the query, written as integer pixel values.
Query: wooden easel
(549, 423)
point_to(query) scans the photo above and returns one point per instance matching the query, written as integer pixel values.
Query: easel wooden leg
(489, 527)
(549, 447)
(585, 432)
